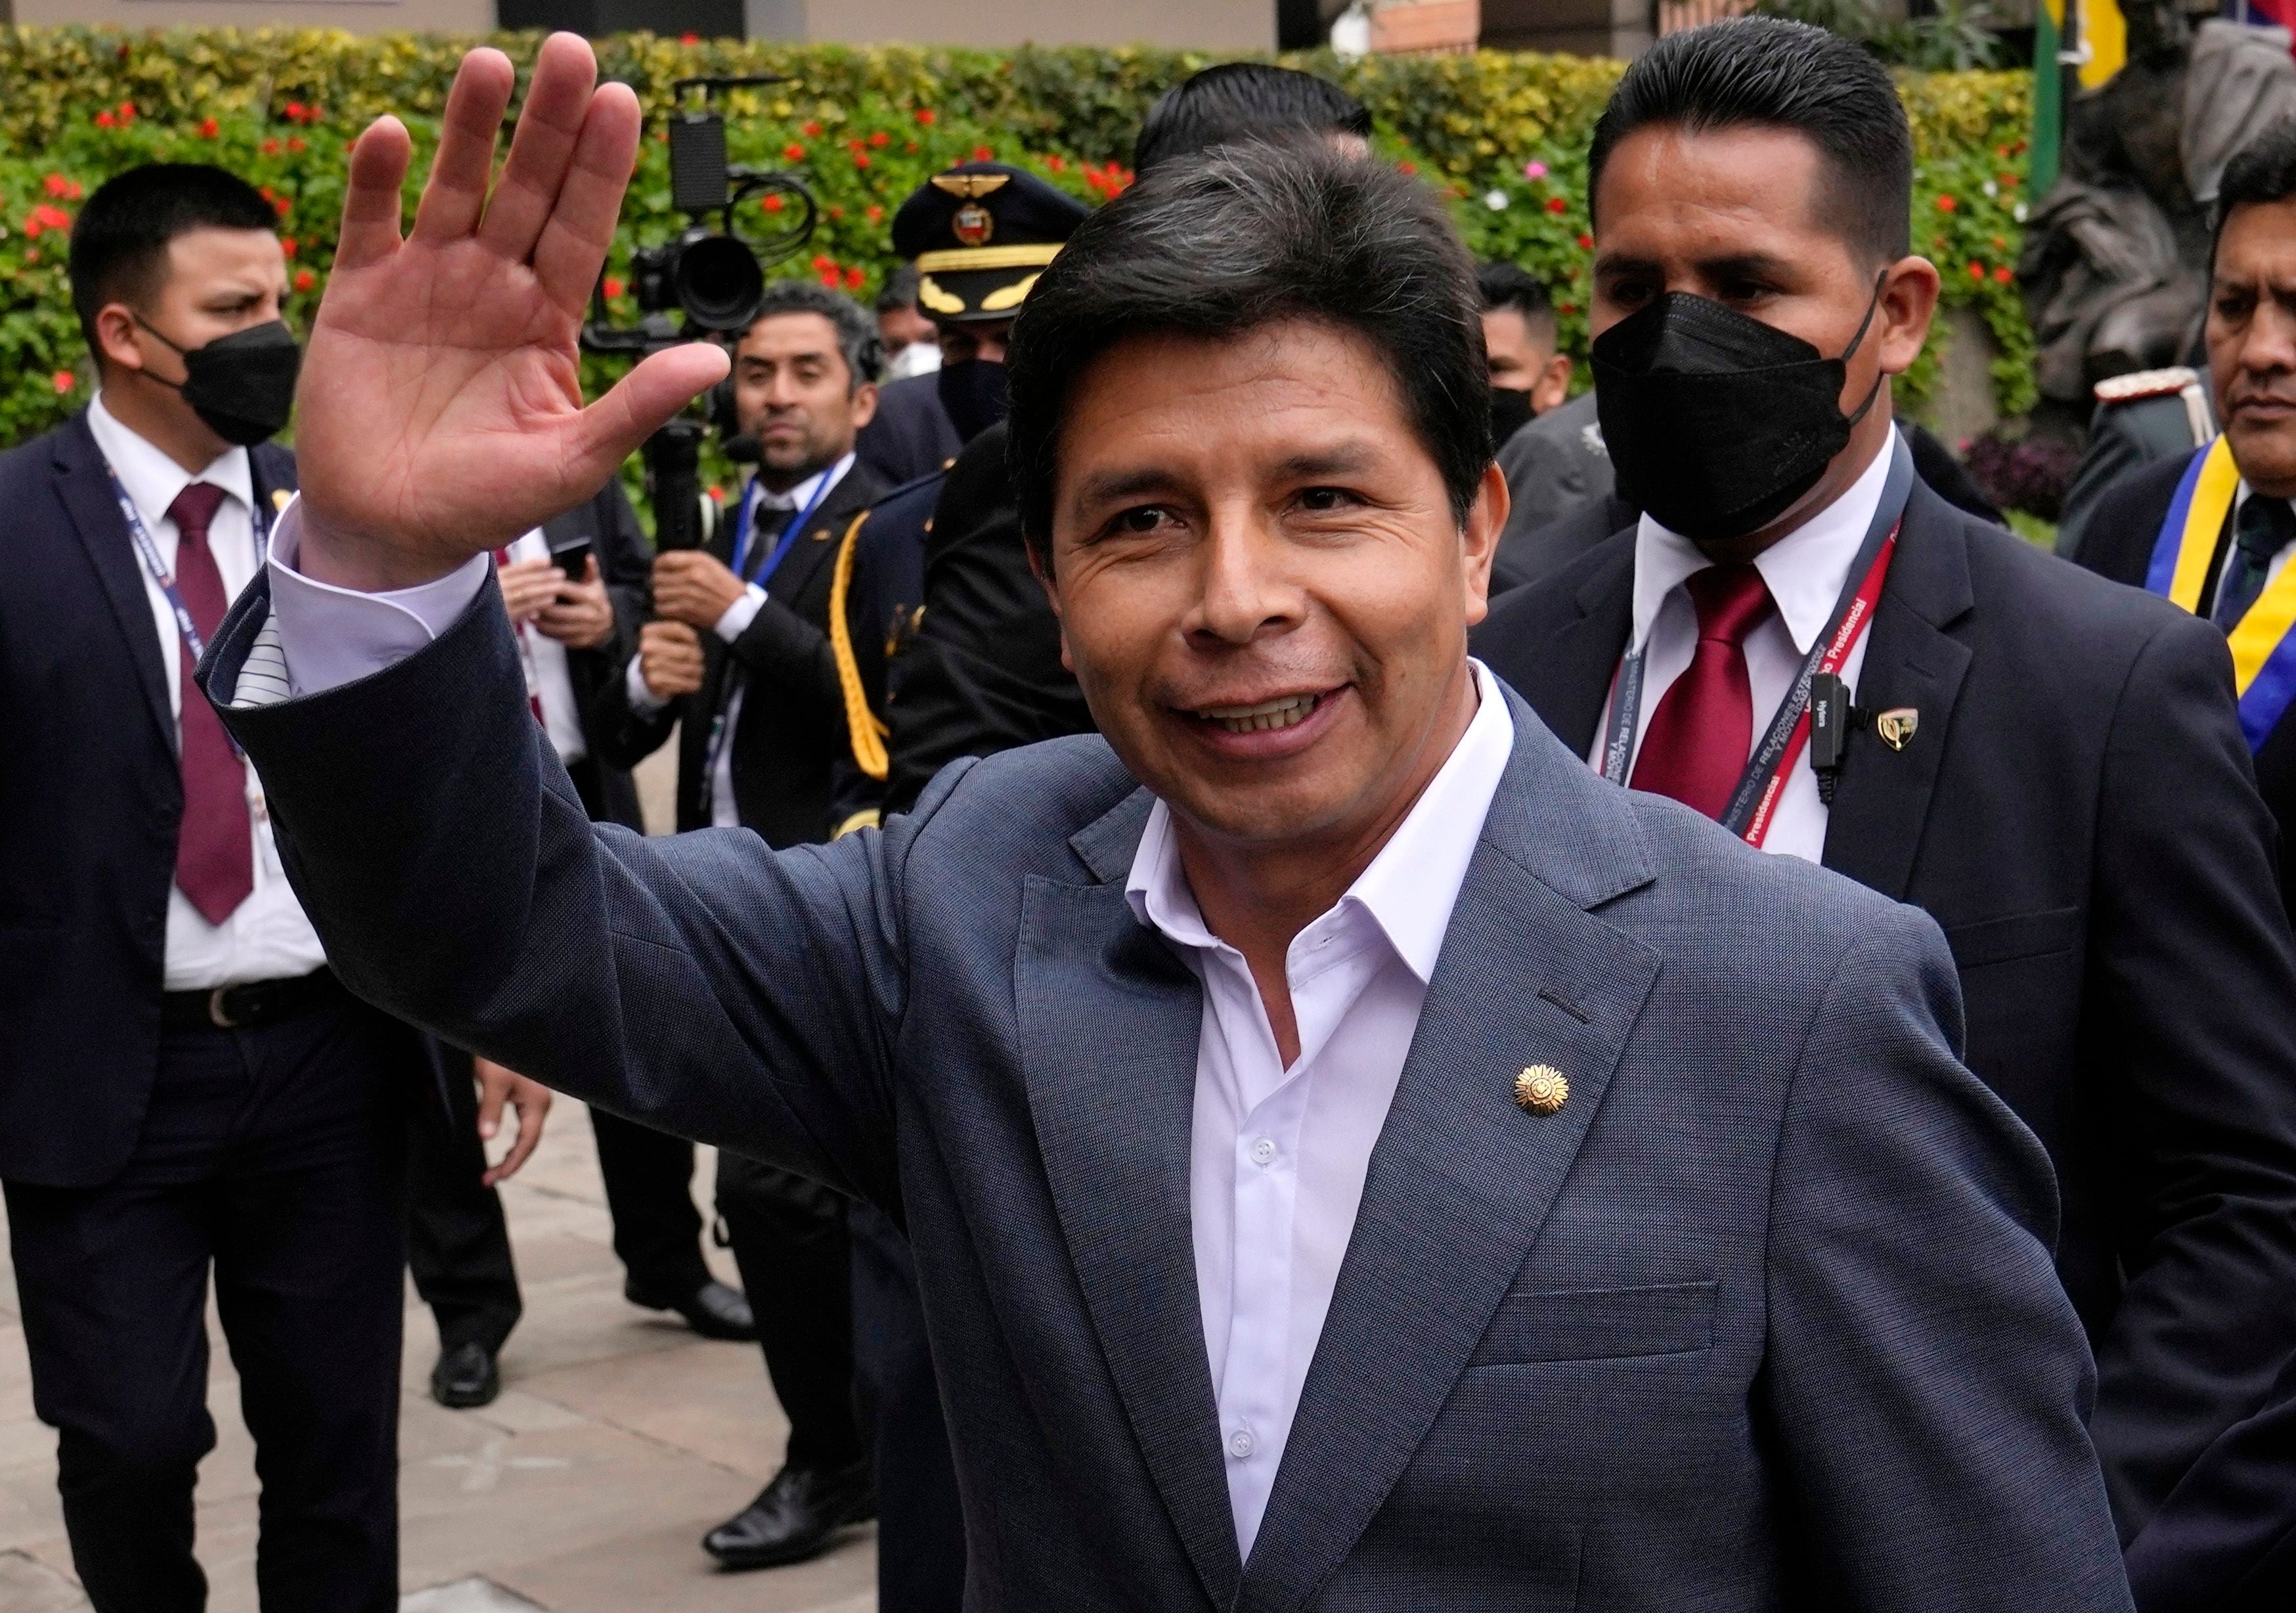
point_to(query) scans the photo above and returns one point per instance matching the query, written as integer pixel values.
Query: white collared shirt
(267, 938)
(548, 678)
(1805, 571)
(1278, 1156)
(725, 812)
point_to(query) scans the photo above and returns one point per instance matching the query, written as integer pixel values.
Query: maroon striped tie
(215, 852)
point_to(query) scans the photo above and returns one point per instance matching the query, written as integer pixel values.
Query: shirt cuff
(330, 636)
(643, 700)
(741, 613)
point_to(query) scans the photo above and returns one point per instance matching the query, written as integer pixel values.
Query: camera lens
(719, 283)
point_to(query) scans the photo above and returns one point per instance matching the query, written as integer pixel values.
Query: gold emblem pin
(1896, 727)
(973, 225)
(1542, 1089)
(279, 497)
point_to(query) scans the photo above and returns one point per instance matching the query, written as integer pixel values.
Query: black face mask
(242, 385)
(1511, 411)
(973, 393)
(1717, 422)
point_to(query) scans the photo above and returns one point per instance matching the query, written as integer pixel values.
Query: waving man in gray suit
(1356, 1158)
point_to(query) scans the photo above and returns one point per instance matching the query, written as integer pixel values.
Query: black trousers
(273, 1157)
(919, 1519)
(648, 1177)
(457, 1243)
(789, 1239)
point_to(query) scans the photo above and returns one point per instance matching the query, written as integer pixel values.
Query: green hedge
(1505, 134)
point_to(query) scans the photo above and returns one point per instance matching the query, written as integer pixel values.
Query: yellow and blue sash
(2263, 648)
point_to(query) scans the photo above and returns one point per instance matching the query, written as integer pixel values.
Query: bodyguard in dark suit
(1669, 1278)
(2048, 765)
(742, 663)
(186, 1090)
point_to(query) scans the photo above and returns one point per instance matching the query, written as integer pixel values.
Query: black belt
(241, 1007)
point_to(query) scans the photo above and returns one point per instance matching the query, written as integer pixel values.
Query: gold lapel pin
(279, 497)
(1895, 727)
(1542, 1089)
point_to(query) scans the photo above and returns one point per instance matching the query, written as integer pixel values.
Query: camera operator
(739, 661)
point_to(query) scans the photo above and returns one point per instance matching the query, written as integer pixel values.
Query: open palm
(440, 413)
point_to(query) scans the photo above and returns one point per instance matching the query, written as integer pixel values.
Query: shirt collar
(1804, 570)
(151, 478)
(801, 495)
(1411, 885)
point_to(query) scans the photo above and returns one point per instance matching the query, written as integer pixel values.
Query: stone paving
(620, 1438)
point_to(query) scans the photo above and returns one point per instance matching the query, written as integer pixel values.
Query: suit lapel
(1461, 1179)
(808, 558)
(1109, 1020)
(1565, 670)
(85, 489)
(1874, 830)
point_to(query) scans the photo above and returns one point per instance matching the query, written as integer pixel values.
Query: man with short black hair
(1802, 640)
(1528, 374)
(1235, 101)
(738, 661)
(1354, 1157)
(186, 1091)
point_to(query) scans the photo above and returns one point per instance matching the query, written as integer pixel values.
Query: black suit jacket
(91, 798)
(792, 728)
(2117, 542)
(2076, 810)
(625, 565)
(910, 435)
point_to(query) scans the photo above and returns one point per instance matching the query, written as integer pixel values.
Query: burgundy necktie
(1696, 745)
(215, 852)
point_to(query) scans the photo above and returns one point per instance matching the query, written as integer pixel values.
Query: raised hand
(440, 413)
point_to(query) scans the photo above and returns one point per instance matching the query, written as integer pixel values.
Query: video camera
(712, 280)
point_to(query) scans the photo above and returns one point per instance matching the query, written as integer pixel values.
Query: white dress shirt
(548, 678)
(725, 813)
(1805, 571)
(1278, 1156)
(267, 938)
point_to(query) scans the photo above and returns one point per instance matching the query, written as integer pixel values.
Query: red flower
(908, 145)
(294, 142)
(853, 279)
(793, 151)
(286, 246)
(1566, 308)
(874, 213)
(305, 280)
(1407, 167)
(925, 115)
(860, 159)
(1586, 243)
(772, 204)
(2002, 275)
(283, 206)
(128, 111)
(612, 287)
(836, 211)
(210, 128)
(881, 138)
(689, 38)
(103, 120)
(1976, 269)
(821, 260)
(1946, 204)
(295, 111)
(1054, 163)
(269, 148)
(1556, 204)
(811, 131)
(63, 381)
(33, 227)
(829, 278)
(2008, 182)
(982, 153)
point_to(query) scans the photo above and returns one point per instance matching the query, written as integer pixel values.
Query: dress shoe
(794, 1517)
(466, 1377)
(713, 1310)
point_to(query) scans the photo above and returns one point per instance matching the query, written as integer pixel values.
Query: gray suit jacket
(1762, 1318)
(1554, 465)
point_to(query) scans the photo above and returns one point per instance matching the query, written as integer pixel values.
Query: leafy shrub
(1504, 134)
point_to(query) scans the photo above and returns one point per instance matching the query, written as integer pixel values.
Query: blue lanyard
(743, 526)
(150, 552)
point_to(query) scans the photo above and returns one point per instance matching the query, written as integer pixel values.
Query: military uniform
(2150, 415)
(980, 234)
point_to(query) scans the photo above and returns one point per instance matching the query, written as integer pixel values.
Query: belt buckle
(216, 1014)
